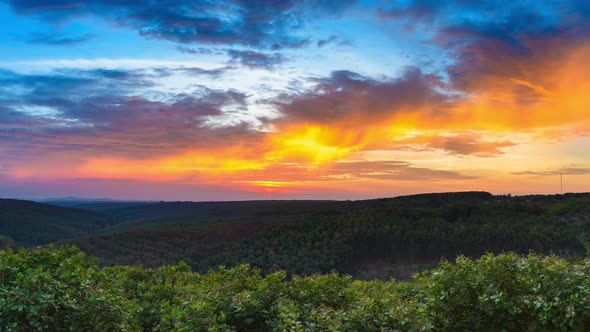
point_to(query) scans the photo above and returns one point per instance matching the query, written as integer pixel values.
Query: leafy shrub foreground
(62, 290)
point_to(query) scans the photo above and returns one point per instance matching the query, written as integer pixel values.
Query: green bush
(241, 299)
(62, 290)
(152, 291)
(508, 293)
(56, 290)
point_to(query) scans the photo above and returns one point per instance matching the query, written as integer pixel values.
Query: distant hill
(181, 214)
(368, 238)
(33, 223)
(376, 238)
(436, 200)
(91, 204)
(399, 236)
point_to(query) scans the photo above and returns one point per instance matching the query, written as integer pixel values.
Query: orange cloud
(347, 114)
(549, 90)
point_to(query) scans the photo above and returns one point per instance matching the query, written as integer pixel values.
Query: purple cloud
(265, 24)
(346, 94)
(253, 59)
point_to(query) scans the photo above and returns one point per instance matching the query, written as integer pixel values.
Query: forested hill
(35, 223)
(367, 239)
(371, 238)
(400, 236)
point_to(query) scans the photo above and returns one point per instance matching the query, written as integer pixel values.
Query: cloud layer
(268, 24)
(271, 94)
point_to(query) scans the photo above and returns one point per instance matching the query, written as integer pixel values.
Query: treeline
(32, 223)
(375, 238)
(153, 247)
(62, 290)
(392, 235)
(368, 239)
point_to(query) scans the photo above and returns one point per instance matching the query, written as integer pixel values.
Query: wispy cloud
(59, 40)
(570, 170)
(255, 60)
(457, 144)
(324, 42)
(251, 23)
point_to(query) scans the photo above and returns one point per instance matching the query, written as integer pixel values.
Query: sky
(317, 99)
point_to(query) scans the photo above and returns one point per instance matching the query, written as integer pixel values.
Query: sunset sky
(212, 100)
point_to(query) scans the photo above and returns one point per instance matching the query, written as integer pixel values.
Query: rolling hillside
(32, 223)
(370, 238)
(377, 238)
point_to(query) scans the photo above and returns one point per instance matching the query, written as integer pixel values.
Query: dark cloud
(77, 83)
(416, 10)
(571, 170)
(253, 59)
(492, 42)
(347, 94)
(324, 42)
(102, 113)
(468, 144)
(393, 170)
(57, 40)
(196, 71)
(442, 13)
(461, 144)
(198, 50)
(431, 11)
(268, 24)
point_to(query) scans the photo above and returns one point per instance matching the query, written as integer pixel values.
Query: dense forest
(31, 223)
(381, 238)
(430, 262)
(63, 290)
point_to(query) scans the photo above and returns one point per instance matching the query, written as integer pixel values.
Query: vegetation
(62, 290)
(312, 266)
(164, 246)
(397, 235)
(381, 238)
(57, 290)
(367, 239)
(32, 223)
